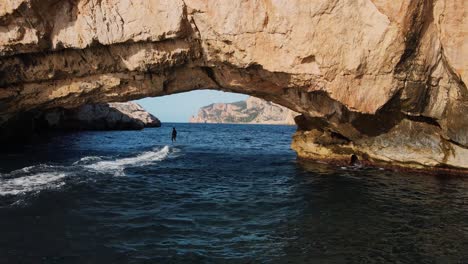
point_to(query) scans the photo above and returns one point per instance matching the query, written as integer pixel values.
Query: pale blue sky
(179, 107)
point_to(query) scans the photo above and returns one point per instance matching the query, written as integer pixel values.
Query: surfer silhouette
(174, 134)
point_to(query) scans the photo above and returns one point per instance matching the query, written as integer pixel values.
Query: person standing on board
(174, 134)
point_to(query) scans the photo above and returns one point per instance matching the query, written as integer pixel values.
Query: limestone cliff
(101, 116)
(251, 111)
(385, 80)
(104, 116)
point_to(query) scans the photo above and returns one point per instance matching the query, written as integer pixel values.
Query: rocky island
(251, 111)
(383, 80)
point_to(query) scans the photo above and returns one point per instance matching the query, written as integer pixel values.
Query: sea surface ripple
(221, 194)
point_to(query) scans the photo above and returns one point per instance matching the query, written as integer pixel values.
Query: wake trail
(40, 177)
(118, 165)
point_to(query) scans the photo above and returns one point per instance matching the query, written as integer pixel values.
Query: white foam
(39, 177)
(30, 169)
(31, 183)
(175, 152)
(87, 159)
(117, 166)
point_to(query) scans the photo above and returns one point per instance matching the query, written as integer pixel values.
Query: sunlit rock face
(385, 80)
(103, 116)
(251, 111)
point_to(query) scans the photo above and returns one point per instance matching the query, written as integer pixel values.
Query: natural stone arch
(382, 80)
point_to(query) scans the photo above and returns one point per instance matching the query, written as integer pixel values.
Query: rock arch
(384, 80)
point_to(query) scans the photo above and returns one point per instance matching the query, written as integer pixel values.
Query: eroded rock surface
(103, 116)
(383, 79)
(251, 111)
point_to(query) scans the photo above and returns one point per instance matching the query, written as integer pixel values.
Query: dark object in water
(354, 160)
(174, 134)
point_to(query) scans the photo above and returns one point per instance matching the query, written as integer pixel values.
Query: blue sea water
(220, 194)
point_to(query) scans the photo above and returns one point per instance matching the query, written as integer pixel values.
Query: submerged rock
(383, 79)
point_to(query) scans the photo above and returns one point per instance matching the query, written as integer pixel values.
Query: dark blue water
(221, 194)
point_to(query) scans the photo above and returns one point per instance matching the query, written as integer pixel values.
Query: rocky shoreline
(386, 80)
(104, 116)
